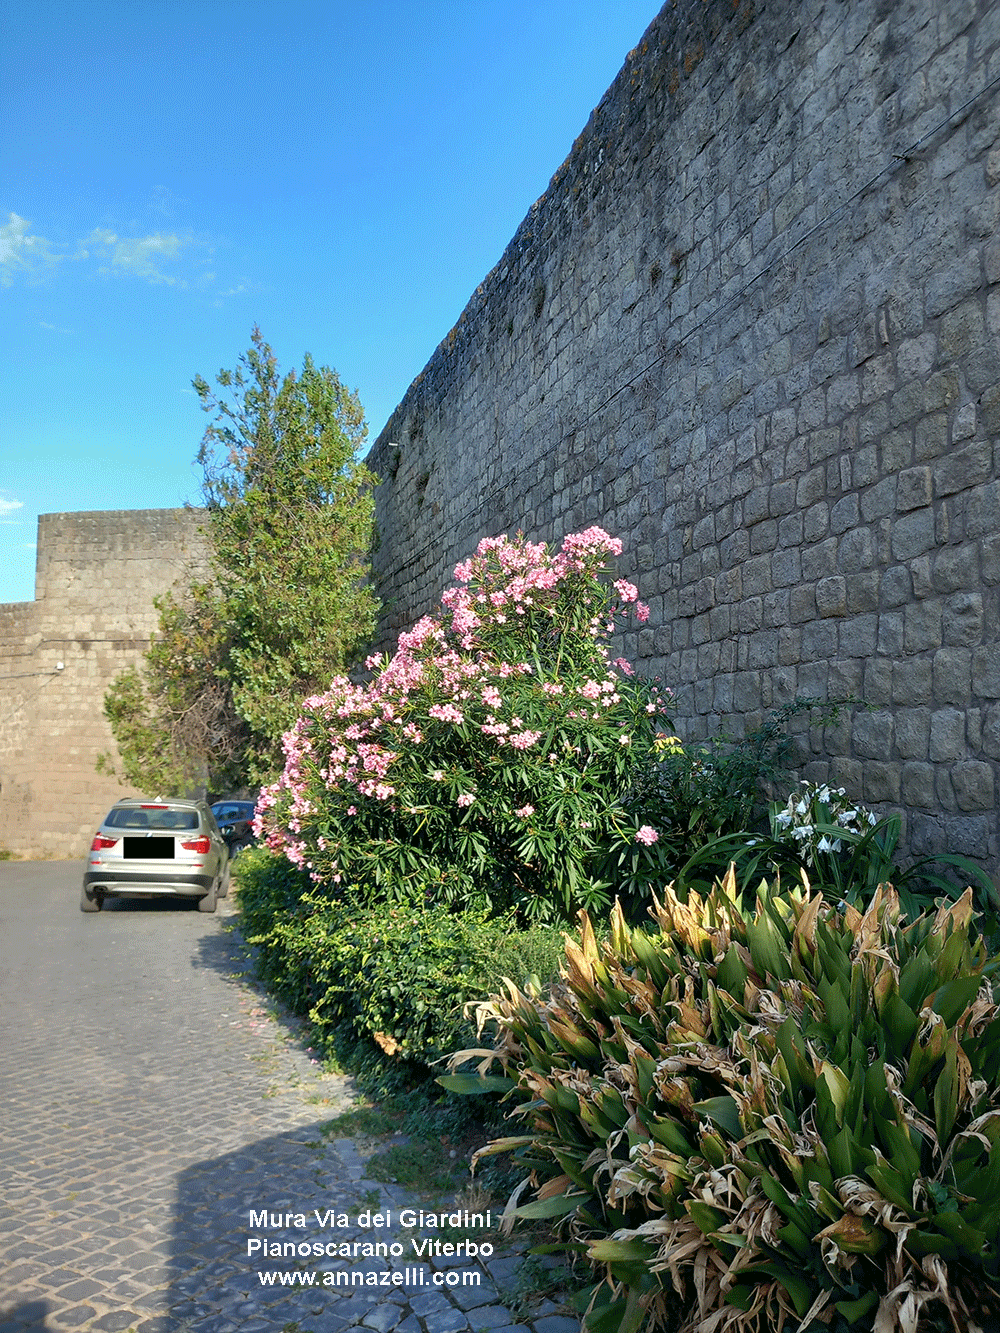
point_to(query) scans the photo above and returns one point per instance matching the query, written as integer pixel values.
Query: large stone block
(947, 736)
(882, 782)
(831, 596)
(917, 785)
(922, 626)
(913, 534)
(952, 676)
(912, 733)
(986, 672)
(974, 785)
(873, 735)
(964, 469)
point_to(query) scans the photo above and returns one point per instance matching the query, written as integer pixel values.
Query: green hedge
(399, 975)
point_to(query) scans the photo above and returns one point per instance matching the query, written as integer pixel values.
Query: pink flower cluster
(524, 740)
(491, 657)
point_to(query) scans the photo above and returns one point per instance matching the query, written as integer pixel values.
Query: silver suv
(146, 849)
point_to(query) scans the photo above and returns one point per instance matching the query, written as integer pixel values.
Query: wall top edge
(119, 513)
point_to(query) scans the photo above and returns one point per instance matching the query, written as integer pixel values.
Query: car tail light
(200, 845)
(101, 842)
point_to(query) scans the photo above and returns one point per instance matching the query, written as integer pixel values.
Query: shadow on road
(216, 1254)
(27, 1318)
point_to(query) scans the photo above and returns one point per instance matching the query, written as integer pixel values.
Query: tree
(289, 524)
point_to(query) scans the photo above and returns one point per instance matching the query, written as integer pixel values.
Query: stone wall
(752, 328)
(96, 576)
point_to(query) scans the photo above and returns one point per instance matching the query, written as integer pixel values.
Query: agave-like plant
(786, 1119)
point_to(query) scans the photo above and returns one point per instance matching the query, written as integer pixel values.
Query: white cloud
(21, 252)
(53, 328)
(142, 256)
(156, 258)
(8, 507)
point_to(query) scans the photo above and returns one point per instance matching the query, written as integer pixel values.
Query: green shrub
(398, 974)
(787, 1117)
(490, 762)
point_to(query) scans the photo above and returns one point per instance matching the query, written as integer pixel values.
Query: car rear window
(234, 810)
(129, 817)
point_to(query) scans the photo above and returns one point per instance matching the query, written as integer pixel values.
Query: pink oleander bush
(490, 762)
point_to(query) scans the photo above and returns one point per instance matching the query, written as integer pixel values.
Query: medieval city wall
(752, 329)
(93, 615)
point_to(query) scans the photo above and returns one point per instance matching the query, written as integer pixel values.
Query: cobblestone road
(150, 1104)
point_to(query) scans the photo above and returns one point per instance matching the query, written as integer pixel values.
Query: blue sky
(174, 171)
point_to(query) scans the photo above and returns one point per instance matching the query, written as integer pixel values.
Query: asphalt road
(150, 1103)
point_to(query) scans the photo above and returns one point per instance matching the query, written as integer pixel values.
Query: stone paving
(151, 1105)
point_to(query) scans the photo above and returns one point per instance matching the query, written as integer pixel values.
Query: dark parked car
(235, 821)
(165, 848)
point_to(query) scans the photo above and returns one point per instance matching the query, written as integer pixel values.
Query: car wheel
(88, 904)
(207, 904)
(224, 882)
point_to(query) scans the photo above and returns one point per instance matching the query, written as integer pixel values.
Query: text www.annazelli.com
(355, 1277)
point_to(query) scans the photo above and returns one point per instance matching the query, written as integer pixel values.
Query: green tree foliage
(289, 524)
(174, 720)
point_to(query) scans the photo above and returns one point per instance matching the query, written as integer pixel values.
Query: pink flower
(465, 799)
(525, 811)
(647, 835)
(447, 713)
(491, 697)
(641, 612)
(628, 592)
(524, 740)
